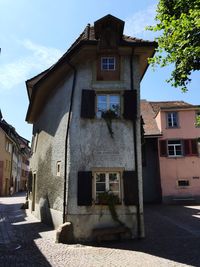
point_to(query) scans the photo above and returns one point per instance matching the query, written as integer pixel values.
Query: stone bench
(111, 233)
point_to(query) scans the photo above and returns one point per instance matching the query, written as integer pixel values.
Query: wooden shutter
(88, 104)
(130, 181)
(194, 147)
(190, 147)
(187, 147)
(130, 104)
(84, 188)
(163, 148)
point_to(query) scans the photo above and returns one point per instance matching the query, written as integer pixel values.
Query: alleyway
(173, 239)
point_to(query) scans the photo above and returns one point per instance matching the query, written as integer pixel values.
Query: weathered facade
(86, 132)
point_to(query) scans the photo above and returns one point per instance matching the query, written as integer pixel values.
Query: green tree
(178, 22)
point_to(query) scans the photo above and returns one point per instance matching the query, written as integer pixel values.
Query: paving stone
(172, 240)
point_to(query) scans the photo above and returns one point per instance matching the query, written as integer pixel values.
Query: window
(107, 102)
(108, 63)
(174, 148)
(183, 183)
(172, 119)
(107, 182)
(58, 165)
(94, 103)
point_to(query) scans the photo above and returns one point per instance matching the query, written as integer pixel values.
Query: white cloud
(38, 59)
(135, 25)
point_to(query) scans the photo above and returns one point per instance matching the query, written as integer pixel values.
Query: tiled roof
(148, 115)
(169, 105)
(89, 35)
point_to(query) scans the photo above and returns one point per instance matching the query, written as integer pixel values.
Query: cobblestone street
(173, 239)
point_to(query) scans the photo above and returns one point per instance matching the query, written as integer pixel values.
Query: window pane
(114, 103)
(100, 177)
(172, 119)
(101, 104)
(108, 63)
(113, 177)
(100, 187)
(114, 187)
(171, 150)
(178, 151)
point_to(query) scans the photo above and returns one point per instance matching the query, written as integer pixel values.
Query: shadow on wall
(45, 214)
(54, 111)
(49, 189)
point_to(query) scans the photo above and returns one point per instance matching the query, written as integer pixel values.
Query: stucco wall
(89, 146)
(50, 148)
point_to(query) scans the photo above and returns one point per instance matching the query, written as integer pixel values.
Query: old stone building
(86, 145)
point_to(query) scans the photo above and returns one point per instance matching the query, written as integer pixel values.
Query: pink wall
(186, 128)
(173, 169)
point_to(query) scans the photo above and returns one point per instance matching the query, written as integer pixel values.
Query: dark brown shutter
(194, 147)
(187, 147)
(130, 180)
(163, 148)
(88, 104)
(130, 104)
(84, 188)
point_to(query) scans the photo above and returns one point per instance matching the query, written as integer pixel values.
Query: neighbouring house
(5, 162)
(13, 149)
(86, 146)
(179, 150)
(152, 192)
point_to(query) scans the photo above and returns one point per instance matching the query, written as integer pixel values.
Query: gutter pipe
(139, 229)
(65, 202)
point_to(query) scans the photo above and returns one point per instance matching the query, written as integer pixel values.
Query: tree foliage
(179, 42)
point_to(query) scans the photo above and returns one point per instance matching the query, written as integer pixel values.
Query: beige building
(5, 162)
(14, 159)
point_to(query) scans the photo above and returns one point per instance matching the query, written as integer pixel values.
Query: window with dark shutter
(88, 104)
(130, 104)
(84, 188)
(163, 148)
(130, 181)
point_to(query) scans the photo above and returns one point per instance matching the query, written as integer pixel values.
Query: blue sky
(35, 33)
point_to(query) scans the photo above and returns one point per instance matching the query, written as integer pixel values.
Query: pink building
(179, 150)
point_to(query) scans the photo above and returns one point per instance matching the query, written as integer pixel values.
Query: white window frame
(108, 64)
(107, 183)
(107, 95)
(175, 145)
(174, 119)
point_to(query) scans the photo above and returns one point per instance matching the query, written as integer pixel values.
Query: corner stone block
(64, 233)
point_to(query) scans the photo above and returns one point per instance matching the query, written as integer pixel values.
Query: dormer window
(108, 63)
